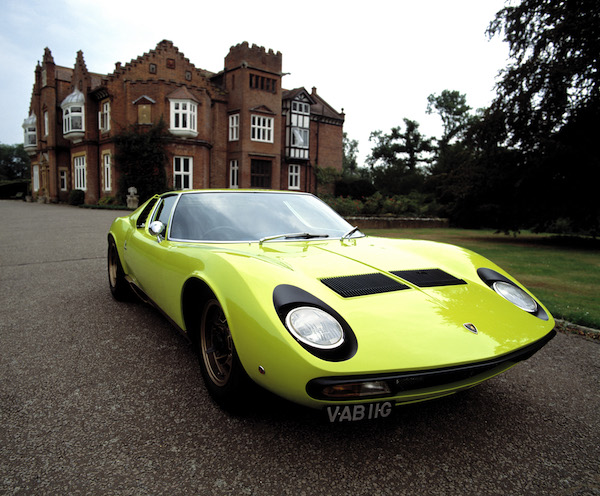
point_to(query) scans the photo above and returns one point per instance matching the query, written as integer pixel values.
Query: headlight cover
(516, 296)
(315, 327)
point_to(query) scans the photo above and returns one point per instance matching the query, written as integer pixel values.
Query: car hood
(429, 323)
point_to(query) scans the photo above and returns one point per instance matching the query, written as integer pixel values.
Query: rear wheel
(222, 370)
(116, 276)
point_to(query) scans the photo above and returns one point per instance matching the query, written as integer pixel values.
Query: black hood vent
(363, 284)
(428, 278)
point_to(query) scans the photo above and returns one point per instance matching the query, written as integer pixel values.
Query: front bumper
(404, 387)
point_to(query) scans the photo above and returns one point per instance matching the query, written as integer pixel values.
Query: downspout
(317, 159)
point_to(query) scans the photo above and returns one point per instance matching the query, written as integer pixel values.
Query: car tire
(119, 287)
(223, 373)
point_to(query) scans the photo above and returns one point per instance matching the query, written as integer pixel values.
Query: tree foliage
(350, 157)
(14, 163)
(548, 96)
(454, 112)
(530, 159)
(398, 160)
(141, 160)
(554, 72)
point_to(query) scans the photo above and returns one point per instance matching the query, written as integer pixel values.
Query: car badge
(471, 327)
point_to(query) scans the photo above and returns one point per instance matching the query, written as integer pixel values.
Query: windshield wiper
(304, 235)
(350, 232)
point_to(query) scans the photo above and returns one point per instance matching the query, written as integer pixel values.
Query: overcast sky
(377, 60)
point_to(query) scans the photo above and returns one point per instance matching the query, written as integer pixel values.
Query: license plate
(362, 411)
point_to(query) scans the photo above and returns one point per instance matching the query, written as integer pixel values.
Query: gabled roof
(318, 106)
(144, 99)
(182, 93)
(298, 94)
(262, 108)
(321, 107)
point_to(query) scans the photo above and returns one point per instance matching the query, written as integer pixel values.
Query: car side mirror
(156, 229)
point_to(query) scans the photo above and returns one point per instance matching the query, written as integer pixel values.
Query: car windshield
(255, 216)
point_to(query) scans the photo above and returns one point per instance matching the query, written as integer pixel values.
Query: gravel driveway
(99, 397)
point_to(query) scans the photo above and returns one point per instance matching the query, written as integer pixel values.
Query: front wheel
(222, 370)
(119, 287)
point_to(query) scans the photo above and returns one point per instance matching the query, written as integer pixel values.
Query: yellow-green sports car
(277, 288)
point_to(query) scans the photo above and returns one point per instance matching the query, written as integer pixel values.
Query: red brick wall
(155, 75)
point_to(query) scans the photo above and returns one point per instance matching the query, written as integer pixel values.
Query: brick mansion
(236, 128)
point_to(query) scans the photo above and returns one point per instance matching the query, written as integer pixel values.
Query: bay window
(73, 108)
(184, 118)
(30, 132)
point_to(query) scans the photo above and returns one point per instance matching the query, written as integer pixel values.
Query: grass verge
(563, 273)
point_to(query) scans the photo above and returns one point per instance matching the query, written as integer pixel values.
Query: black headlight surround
(287, 297)
(489, 277)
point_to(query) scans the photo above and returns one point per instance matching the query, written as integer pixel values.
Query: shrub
(107, 200)
(411, 205)
(76, 197)
(373, 204)
(343, 205)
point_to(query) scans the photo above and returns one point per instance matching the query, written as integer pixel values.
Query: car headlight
(516, 296)
(315, 327)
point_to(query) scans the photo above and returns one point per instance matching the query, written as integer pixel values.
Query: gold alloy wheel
(216, 344)
(113, 267)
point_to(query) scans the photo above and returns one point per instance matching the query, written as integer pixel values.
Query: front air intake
(427, 278)
(362, 285)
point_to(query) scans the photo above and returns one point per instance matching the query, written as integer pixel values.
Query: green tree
(398, 160)
(454, 112)
(355, 181)
(14, 162)
(549, 99)
(451, 149)
(554, 73)
(141, 160)
(482, 188)
(350, 157)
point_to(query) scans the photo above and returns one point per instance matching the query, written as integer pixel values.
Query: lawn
(564, 274)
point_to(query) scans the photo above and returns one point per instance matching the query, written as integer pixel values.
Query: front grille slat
(427, 278)
(363, 284)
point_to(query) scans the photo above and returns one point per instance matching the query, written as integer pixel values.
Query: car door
(146, 253)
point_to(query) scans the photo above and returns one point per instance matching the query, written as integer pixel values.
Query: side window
(163, 211)
(141, 220)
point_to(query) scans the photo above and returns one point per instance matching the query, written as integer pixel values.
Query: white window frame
(107, 171)
(294, 176)
(300, 137)
(36, 177)
(234, 127)
(74, 119)
(184, 117)
(79, 173)
(30, 136)
(261, 128)
(183, 170)
(104, 117)
(234, 174)
(301, 108)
